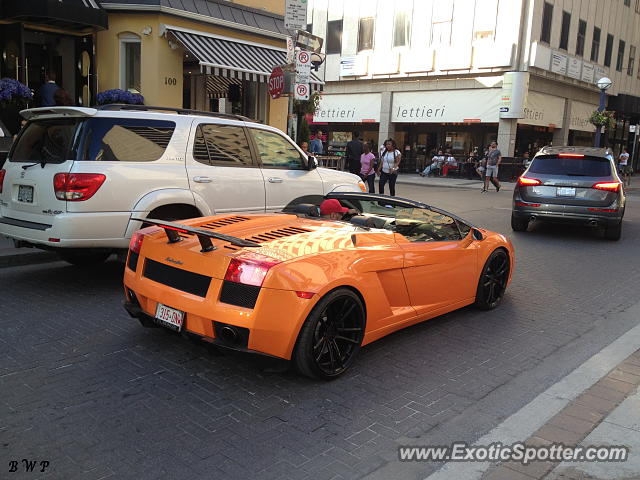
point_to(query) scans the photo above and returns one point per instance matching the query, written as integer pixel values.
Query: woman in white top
(388, 166)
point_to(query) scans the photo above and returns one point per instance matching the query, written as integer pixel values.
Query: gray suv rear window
(571, 166)
(97, 139)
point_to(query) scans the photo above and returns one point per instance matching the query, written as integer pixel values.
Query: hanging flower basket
(119, 96)
(603, 119)
(12, 92)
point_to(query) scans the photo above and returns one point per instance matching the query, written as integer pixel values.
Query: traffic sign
(276, 82)
(291, 50)
(303, 66)
(309, 42)
(295, 14)
(302, 91)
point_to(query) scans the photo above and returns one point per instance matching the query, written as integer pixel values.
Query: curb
(421, 184)
(33, 258)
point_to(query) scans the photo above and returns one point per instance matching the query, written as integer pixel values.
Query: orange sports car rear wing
(173, 231)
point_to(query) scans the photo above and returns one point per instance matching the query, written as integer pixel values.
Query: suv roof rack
(179, 111)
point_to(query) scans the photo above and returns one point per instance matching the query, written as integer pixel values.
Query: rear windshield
(571, 166)
(94, 139)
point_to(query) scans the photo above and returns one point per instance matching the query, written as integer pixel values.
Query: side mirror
(312, 162)
(477, 234)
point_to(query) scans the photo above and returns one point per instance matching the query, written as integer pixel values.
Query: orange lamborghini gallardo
(310, 284)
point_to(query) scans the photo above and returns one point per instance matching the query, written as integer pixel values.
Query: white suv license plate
(25, 193)
(169, 317)
(566, 192)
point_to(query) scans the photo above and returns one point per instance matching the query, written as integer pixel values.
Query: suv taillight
(2, 172)
(528, 182)
(608, 186)
(249, 269)
(76, 187)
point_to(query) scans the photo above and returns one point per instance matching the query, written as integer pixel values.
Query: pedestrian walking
(494, 157)
(353, 153)
(624, 168)
(388, 166)
(367, 167)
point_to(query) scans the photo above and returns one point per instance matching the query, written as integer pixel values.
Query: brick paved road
(84, 387)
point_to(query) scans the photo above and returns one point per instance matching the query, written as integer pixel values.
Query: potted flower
(603, 119)
(117, 95)
(13, 98)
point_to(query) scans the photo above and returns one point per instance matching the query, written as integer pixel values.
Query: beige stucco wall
(160, 62)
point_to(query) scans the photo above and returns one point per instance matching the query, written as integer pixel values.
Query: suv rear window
(571, 166)
(94, 139)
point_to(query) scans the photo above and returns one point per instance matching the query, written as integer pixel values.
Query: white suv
(75, 176)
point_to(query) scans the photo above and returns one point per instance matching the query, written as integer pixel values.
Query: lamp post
(603, 84)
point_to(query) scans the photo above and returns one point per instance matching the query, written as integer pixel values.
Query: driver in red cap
(333, 210)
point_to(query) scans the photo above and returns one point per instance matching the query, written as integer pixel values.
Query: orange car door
(441, 271)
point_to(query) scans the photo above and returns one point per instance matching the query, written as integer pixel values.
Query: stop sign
(276, 82)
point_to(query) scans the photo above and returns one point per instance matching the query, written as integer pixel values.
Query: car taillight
(76, 187)
(528, 182)
(2, 172)
(250, 269)
(608, 186)
(136, 242)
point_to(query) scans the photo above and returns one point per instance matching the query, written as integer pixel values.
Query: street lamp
(603, 84)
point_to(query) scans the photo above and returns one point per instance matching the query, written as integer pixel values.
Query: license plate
(25, 193)
(566, 192)
(169, 317)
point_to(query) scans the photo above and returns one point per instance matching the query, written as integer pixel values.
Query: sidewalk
(14, 257)
(449, 182)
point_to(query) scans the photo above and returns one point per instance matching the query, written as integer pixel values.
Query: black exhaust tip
(231, 335)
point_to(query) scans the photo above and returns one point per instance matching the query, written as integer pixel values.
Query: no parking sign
(302, 91)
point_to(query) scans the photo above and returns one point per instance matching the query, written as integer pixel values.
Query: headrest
(308, 209)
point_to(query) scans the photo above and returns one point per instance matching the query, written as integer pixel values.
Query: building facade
(211, 55)
(431, 73)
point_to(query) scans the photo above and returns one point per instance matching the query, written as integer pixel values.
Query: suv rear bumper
(568, 214)
(70, 230)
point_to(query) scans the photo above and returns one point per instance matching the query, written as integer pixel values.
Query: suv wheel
(84, 259)
(519, 224)
(613, 233)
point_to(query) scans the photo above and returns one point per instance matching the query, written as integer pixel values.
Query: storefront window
(130, 53)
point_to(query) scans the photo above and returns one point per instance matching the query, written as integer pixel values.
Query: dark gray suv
(576, 185)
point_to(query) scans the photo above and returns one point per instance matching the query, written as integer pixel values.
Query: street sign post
(302, 91)
(291, 50)
(276, 82)
(295, 14)
(303, 66)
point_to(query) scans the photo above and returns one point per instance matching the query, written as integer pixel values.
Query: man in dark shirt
(48, 88)
(354, 150)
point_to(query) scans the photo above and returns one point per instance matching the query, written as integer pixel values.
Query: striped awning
(218, 87)
(230, 58)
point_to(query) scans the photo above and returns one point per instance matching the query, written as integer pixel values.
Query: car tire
(613, 233)
(84, 259)
(493, 280)
(519, 224)
(331, 336)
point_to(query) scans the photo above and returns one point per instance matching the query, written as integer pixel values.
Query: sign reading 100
(170, 81)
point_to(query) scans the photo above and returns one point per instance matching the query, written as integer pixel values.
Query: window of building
(547, 17)
(620, 59)
(365, 33)
(627, 3)
(595, 45)
(275, 151)
(484, 20)
(402, 28)
(582, 33)
(334, 36)
(632, 60)
(441, 18)
(637, 6)
(564, 33)
(310, 27)
(130, 53)
(608, 50)
(223, 145)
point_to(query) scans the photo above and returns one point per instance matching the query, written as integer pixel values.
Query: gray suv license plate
(566, 192)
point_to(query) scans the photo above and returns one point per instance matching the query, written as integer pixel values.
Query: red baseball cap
(332, 205)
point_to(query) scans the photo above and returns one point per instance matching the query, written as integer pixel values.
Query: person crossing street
(494, 157)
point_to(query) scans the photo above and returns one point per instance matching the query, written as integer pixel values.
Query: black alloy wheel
(493, 280)
(331, 336)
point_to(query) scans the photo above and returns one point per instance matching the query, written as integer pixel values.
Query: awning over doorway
(230, 58)
(76, 15)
